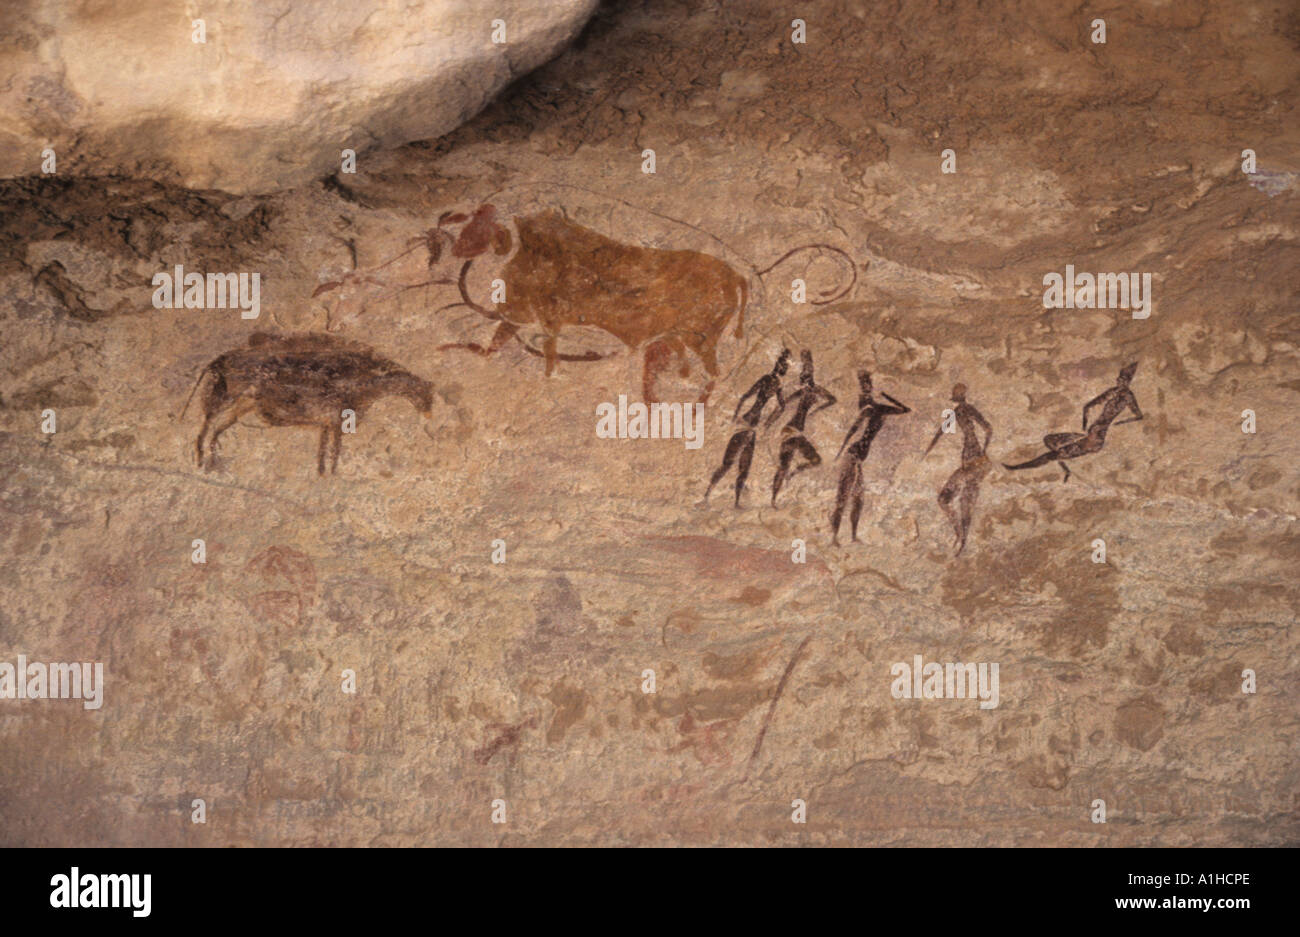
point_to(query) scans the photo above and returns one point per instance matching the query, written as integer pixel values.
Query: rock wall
(499, 578)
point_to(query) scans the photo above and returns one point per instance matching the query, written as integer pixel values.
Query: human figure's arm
(857, 424)
(1132, 405)
(782, 400)
(896, 408)
(937, 434)
(749, 393)
(988, 430)
(826, 396)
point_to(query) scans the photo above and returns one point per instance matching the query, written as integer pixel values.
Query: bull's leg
(505, 331)
(684, 364)
(658, 356)
(709, 358)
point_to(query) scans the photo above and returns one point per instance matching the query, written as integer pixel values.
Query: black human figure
(1062, 446)
(742, 442)
(808, 395)
(872, 415)
(964, 484)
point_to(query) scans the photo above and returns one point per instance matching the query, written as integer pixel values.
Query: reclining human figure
(1062, 446)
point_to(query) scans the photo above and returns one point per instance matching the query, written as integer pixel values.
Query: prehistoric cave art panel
(546, 280)
(306, 379)
(959, 493)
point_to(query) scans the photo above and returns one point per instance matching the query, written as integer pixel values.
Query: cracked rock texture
(270, 98)
(522, 681)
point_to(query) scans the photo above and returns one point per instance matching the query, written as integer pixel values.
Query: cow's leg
(223, 420)
(321, 449)
(336, 432)
(505, 331)
(198, 443)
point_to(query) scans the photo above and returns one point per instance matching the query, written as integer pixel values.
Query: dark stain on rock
(570, 706)
(558, 607)
(1085, 597)
(1220, 686)
(1263, 478)
(740, 666)
(1140, 724)
(111, 441)
(504, 736)
(828, 742)
(1182, 639)
(60, 392)
(752, 596)
(712, 558)
(716, 703)
(282, 565)
(1045, 772)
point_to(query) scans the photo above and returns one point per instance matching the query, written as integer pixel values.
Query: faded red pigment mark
(507, 735)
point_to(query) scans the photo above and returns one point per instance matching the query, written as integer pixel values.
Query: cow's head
(472, 235)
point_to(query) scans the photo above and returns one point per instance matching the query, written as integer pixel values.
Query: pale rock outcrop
(271, 98)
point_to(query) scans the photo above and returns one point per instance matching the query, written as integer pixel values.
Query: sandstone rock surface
(272, 96)
(523, 680)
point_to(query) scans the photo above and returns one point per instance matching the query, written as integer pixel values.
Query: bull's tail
(197, 381)
(1034, 463)
(827, 296)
